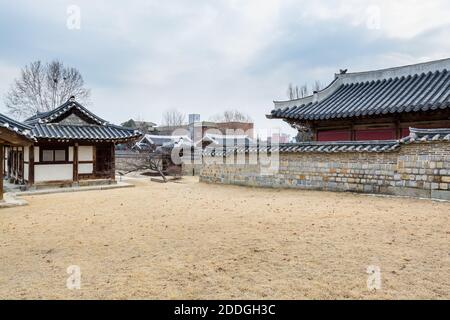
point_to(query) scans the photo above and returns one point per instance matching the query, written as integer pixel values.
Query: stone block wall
(418, 170)
(126, 161)
(189, 169)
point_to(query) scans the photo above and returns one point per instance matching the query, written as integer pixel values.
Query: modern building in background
(194, 117)
(196, 130)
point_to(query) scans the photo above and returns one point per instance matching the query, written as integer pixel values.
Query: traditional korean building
(150, 142)
(13, 136)
(223, 140)
(71, 146)
(373, 105)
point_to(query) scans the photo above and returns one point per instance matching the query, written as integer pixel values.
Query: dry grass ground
(198, 241)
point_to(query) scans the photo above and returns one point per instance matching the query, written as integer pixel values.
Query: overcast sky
(141, 57)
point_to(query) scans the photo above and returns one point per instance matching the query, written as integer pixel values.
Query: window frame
(53, 149)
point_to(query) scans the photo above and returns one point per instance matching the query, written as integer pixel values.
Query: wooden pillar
(10, 164)
(113, 161)
(2, 164)
(314, 134)
(16, 165)
(4, 160)
(22, 166)
(31, 165)
(75, 162)
(352, 132)
(398, 130)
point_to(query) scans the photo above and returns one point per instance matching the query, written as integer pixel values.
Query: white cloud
(8, 73)
(141, 57)
(399, 19)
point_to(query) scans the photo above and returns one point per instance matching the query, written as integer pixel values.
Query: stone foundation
(417, 170)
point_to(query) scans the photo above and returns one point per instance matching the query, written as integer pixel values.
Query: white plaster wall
(85, 153)
(53, 172)
(26, 153)
(36, 154)
(85, 168)
(25, 171)
(6, 159)
(70, 154)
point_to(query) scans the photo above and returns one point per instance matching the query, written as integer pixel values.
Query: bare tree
(291, 92)
(303, 91)
(317, 85)
(297, 92)
(43, 87)
(173, 118)
(232, 115)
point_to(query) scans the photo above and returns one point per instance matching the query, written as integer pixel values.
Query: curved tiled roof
(15, 126)
(83, 132)
(45, 126)
(426, 135)
(308, 147)
(375, 93)
(416, 136)
(46, 117)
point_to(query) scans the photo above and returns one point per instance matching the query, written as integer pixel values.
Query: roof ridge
(416, 136)
(442, 65)
(63, 108)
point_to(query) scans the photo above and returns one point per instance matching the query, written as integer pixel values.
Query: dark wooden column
(10, 164)
(31, 165)
(398, 130)
(22, 166)
(113, 161)
(75, 162)
(16, 165)
(4, 160)
(2, 164)
(352, 132)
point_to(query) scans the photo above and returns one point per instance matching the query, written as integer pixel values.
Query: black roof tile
(416, 136)
(347, 97)
(15, 126)
(43, 126)
(83, 132)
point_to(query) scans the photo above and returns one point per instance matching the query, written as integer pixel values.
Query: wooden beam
(113, 161)
(31, 165)
(2, 153)
(4, 160)
(16, 178)
(75, 163)
(22, 166)
(352, 132)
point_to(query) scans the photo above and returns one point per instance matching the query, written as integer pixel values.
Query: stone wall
(126, 161)
(418, 170)
(189, 169)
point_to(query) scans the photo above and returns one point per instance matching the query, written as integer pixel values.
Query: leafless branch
(173, 118)
(232, 116)
(42, 88)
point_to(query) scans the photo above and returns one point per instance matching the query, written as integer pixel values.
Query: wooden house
(14, 136)
(71, 146)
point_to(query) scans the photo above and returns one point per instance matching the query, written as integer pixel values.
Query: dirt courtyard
(191, 240)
